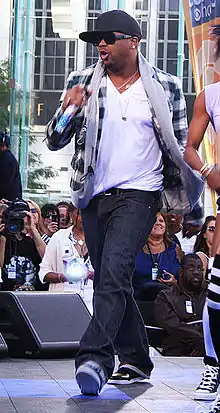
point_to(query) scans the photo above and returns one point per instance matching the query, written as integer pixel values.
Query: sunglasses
(33, 210)
(109, 38)
(211, 228)
(52, 216)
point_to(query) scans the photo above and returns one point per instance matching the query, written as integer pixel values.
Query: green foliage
(4, 94)
(36, 172)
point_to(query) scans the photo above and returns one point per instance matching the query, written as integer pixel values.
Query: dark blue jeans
(116, 227)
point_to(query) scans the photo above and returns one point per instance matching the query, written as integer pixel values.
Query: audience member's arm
(216, 238)
(2, 249)
(48, 267)
(39, 243)
(204, 260)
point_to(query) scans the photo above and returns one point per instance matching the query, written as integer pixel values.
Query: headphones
(4, 139)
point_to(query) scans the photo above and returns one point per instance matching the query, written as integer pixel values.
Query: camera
(13, 216)
(54, 217)
(163, 275)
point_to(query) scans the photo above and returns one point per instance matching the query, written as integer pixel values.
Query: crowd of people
(129, 124)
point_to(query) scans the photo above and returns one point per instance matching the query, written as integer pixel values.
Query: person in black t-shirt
(10, 180)
(22, 251)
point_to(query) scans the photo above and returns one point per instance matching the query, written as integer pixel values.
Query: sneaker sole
(205, 396)
(88, 381)
(126, 382)
(136, 370)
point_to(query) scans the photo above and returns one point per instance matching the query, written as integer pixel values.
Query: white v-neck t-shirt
(129, 156)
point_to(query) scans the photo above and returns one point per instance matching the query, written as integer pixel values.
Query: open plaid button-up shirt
(77, 126)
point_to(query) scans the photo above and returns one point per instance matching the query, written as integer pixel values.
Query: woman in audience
(37, 221)
(36, 214)
(50, 221)
(203, 244)
(66, 245)
(158, 262)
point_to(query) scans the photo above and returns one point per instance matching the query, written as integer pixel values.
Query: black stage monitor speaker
(3, 346)
(42, 323)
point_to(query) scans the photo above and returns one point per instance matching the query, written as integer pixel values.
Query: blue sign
(203, 11)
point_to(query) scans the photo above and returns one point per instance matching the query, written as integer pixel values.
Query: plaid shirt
(77, 125)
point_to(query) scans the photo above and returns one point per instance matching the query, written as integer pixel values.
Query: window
(167, 48)
(54, 57)
(38, 4)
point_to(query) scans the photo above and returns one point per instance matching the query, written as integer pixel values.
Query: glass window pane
(161, 30)
(145, 5)
(48, 82)
(173, 30)
(186, 68)
(60, 48)
(173, 5)
(160, 63)
(71, 64)
(186, 51)
(36, 81)
(49, 48)
(172, 49)
(48, 4)
(59, 82)
(37, 65)
(37, 48)
(91, 4)
(143, 48)
(144, 29)
(38, 4)
(185, 85)
(39, 25)
(89, 49)
(59, 66)
(49, 26)
(49, 65)
(72, 49)
(98, 5)
(160, 50)
(89, 61)
(162, 5)
(172, 66)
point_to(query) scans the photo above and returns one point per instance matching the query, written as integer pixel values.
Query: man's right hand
(52, 227)
(2, 233)
(78, 96)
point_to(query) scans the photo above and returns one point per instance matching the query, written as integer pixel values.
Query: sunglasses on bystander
(211, 228)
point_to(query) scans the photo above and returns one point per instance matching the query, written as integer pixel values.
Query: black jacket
(172, 313)
(10, 180)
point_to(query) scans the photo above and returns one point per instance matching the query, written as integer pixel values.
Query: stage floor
(48, 386)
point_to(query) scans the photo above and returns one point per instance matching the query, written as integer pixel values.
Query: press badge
(12, 272)
(189, 308)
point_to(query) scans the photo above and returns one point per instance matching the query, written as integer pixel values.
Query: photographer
(50, 221)
(10, 180)
(22, 253)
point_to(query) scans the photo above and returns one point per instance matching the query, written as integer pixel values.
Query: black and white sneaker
(216, 405)
(207, 389)
(90, 378)
(128, 374)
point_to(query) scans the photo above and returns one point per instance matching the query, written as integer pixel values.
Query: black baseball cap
(113, 21)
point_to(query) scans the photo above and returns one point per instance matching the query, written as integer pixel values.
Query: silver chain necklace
(126, 84)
